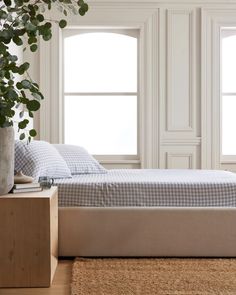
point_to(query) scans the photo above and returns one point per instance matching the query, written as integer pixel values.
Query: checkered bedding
(147, 188)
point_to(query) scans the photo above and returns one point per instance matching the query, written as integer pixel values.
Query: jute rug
(153, 276)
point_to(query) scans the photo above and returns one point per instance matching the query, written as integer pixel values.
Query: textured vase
(6, 159)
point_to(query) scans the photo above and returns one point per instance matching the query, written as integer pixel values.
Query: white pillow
(79, 160)
(40, 158)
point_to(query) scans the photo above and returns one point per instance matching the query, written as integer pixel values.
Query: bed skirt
(147, 232)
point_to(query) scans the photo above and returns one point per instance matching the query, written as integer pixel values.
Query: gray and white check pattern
(146, 188)
(40, 158)
(79, 160)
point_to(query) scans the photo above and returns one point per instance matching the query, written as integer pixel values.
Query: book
(27, 190)
(27, 185)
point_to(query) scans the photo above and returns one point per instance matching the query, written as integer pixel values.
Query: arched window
(100, 71)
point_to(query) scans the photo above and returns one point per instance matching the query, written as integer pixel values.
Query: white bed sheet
(148, 188)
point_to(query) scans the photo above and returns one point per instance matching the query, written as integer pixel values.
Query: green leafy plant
(23, 23)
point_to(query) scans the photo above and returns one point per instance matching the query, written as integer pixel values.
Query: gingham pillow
(40, 158)
(79, 160)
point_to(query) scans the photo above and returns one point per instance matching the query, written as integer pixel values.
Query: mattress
(148, 188)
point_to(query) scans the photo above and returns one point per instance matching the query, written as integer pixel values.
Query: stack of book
(26, 188)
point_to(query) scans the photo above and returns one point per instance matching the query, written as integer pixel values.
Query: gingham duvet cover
(148, 188)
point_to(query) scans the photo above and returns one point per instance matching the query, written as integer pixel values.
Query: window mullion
(100, 93)
(228, 94)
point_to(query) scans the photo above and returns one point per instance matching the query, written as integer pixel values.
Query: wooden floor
(60, 284)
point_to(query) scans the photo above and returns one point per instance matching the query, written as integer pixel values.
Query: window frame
(71, 31)
(224, 158)
(104, 15)
(211, 103)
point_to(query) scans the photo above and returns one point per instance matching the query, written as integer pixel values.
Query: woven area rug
(153, 276)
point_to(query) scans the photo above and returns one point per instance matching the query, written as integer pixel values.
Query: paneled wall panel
(180, 157)
(179, 161)
(180, 70)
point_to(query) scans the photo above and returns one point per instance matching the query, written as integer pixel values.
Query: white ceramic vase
(7, 147)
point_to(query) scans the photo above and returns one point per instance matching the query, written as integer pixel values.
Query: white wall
(175, 128)
(34, 72)
(18, 51)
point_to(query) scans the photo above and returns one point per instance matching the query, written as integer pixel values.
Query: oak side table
(28, 238)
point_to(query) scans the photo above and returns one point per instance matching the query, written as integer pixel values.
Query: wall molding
(171, 156)
(181, 142)
(149, 117)
(170, 125)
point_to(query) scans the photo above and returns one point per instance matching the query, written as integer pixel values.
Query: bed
(148, 213)
(134, 212)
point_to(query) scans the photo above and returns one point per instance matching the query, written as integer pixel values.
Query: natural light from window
(100, 91)
(228, 74)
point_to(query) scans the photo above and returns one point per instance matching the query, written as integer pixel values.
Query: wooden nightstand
(28, 238)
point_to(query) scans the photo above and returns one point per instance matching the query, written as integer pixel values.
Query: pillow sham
(40, 158)
(79, 160)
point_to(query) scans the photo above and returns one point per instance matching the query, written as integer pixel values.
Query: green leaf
(22, 136)
(11, 94)
(25, 17)
(30, 27)
(19, 85)
(20, 32)
(35, 21)
(2, 120)
(25, 66)
(37, 95)
(40, 17)
(32, 133)
(23, 124)
(10, 17)
(7, 2)
(47, 25)
(10, 82)
(3, 14)
(47, 37)
(62, 23)
(36, 85)
(33, 105)
(31, 115)
(6, 34)
(23, 93)
(33, 47)
(13, 58)
(3, 48)
(26, 84)
(32, 40)
(81, 11)
(85, 7)
(7, 74)
(17, 40)
(19, 2)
